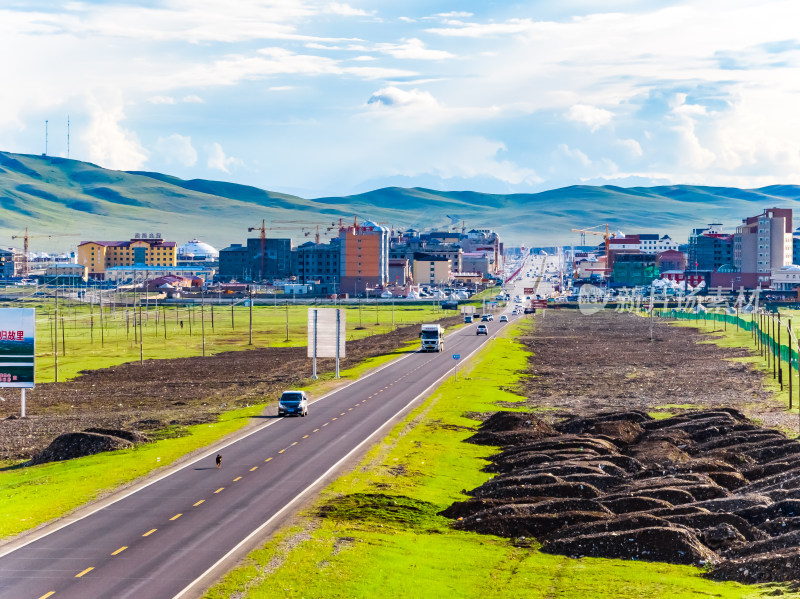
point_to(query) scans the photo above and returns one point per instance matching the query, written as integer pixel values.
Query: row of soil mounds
(704, 488)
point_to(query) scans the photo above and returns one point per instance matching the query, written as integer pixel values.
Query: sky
(328, 98)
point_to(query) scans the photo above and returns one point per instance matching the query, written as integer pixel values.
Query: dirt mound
(78, 445)
(511, 428)
(704, 487)
(766, 567)
(657, 544)
(132, 436)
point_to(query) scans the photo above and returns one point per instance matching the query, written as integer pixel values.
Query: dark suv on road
(293, 402)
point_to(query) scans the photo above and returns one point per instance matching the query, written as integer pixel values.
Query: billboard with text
(17, 347)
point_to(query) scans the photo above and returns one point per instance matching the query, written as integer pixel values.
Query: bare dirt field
(643, 450)
(606, 361)
(164, 393)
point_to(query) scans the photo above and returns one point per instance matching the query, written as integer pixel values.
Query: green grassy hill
(56, 195)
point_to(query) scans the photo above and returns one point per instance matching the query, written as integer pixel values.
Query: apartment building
(763, 243)
(145, 249)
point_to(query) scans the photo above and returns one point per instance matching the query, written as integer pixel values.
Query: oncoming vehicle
(432, 337)
(482, 330)
(293, 402)
(485, 318)
(504, 318)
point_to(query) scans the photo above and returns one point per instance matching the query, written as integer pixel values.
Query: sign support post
(338, 336)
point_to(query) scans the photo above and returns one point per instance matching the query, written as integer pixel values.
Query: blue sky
(331, 98)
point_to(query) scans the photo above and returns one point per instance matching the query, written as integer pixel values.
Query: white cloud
(192, 99)
(161, 100)
(591, 116)
(346, 10)
(413, 49)
(108, 142)
(574, 154)
(281, 88)
(176, 149)
(394, 96)
(217, 159)
(632, 146)
(455, 14)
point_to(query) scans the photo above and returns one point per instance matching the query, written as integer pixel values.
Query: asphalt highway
(170, 538)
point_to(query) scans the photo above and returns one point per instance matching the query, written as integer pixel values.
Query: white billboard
(326, 326)
(17, 347)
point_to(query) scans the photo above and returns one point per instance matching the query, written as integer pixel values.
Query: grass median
(376, 531)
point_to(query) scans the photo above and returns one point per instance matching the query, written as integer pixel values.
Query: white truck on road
(432, 336)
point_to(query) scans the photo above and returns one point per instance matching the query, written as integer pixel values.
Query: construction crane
(606, 235)
(25, 245)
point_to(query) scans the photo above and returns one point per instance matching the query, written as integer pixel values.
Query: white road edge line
(302, 493)
(11, 547)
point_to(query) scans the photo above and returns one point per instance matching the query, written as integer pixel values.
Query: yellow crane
(26, 237)
(605, 235)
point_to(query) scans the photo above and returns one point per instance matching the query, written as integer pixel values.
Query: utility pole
(250, 342)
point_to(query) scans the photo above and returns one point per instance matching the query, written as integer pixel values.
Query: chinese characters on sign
(17, 347)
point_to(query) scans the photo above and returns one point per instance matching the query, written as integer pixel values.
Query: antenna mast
(68, 136)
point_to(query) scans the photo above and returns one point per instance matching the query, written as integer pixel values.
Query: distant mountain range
(51, 195)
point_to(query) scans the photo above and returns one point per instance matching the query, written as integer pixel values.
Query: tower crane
(606, 236)
(25, 245)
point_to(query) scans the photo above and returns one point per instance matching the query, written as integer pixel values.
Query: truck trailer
(432, 336)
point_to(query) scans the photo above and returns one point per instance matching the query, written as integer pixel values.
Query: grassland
(85, 341)
(381, 535)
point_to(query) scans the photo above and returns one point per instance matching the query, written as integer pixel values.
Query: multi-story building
(363, 258)
(671, 260)
(709, 248)
(234, 263)
(400, 272)
(405, 249)
(318, 263)
(485, 240)
(763, 243)
(431, 270)
(477, 262)
(145, 249)
(635, 269)
(252, 263)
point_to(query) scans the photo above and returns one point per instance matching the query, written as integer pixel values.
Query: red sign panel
(528, 290)
(538, 303)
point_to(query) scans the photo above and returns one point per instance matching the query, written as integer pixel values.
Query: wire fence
(772, 336)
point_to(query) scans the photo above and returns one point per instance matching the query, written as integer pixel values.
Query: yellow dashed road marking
(268, 459)
(315, 430)
(219, 490)
(305, 436)
(149, 532)
(46, 595)
(281, 451)
(120, 550)
(326, 424)
(199, 502)
(293, 444)
(175, 517)
(237, 478)
(86, 571)
(253, 468)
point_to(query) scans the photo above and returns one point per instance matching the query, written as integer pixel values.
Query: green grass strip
(381, 535)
